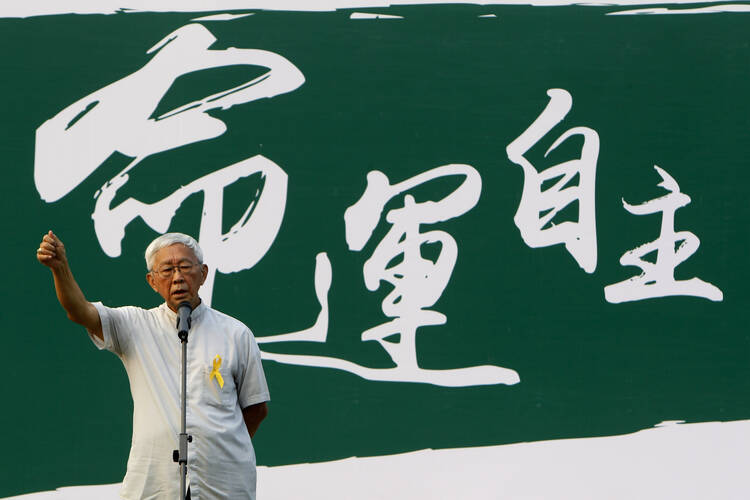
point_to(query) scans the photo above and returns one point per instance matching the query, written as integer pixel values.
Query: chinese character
(119, 118)
(535, 217)
(657, 279)
(246, 242)
(418, 282)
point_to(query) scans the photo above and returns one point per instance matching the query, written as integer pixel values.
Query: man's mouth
(179, 293)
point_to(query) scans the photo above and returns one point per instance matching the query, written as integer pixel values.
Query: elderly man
(227, 390)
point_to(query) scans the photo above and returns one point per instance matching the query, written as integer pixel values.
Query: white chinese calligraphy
(246, 242)
(538, 207)
(657, 279)
(318, 332)
(118, 118)
(418, 282)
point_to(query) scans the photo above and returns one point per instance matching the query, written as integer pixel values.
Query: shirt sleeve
(252, 387)
(113, 331)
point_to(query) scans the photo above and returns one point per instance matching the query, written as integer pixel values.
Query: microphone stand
(180, 455)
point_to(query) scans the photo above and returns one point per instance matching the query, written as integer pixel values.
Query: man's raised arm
(51, 253)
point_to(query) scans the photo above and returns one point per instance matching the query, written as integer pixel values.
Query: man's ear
(151, 281)
(204, 267)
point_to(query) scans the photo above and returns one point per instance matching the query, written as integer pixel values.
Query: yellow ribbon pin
(215, 372)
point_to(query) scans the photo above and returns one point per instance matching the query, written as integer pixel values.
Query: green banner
(448, 226)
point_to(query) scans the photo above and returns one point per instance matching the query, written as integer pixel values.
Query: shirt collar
(194, 315)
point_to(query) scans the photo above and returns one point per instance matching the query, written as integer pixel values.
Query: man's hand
(51, 252)
(253, 415)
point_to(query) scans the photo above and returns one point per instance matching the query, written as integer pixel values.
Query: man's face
(177, 275)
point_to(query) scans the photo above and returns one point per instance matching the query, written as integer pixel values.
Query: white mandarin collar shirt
(224, 375)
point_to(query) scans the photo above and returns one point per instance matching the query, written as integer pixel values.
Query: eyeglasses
(167, 271)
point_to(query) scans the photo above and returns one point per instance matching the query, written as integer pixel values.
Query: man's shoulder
(129, 314)
(227, 320)
(133, 310)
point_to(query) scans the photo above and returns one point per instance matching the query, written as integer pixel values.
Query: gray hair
(169, 239)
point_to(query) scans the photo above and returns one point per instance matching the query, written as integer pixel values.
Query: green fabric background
(400, 96)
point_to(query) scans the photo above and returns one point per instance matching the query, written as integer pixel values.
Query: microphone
(183, 320)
